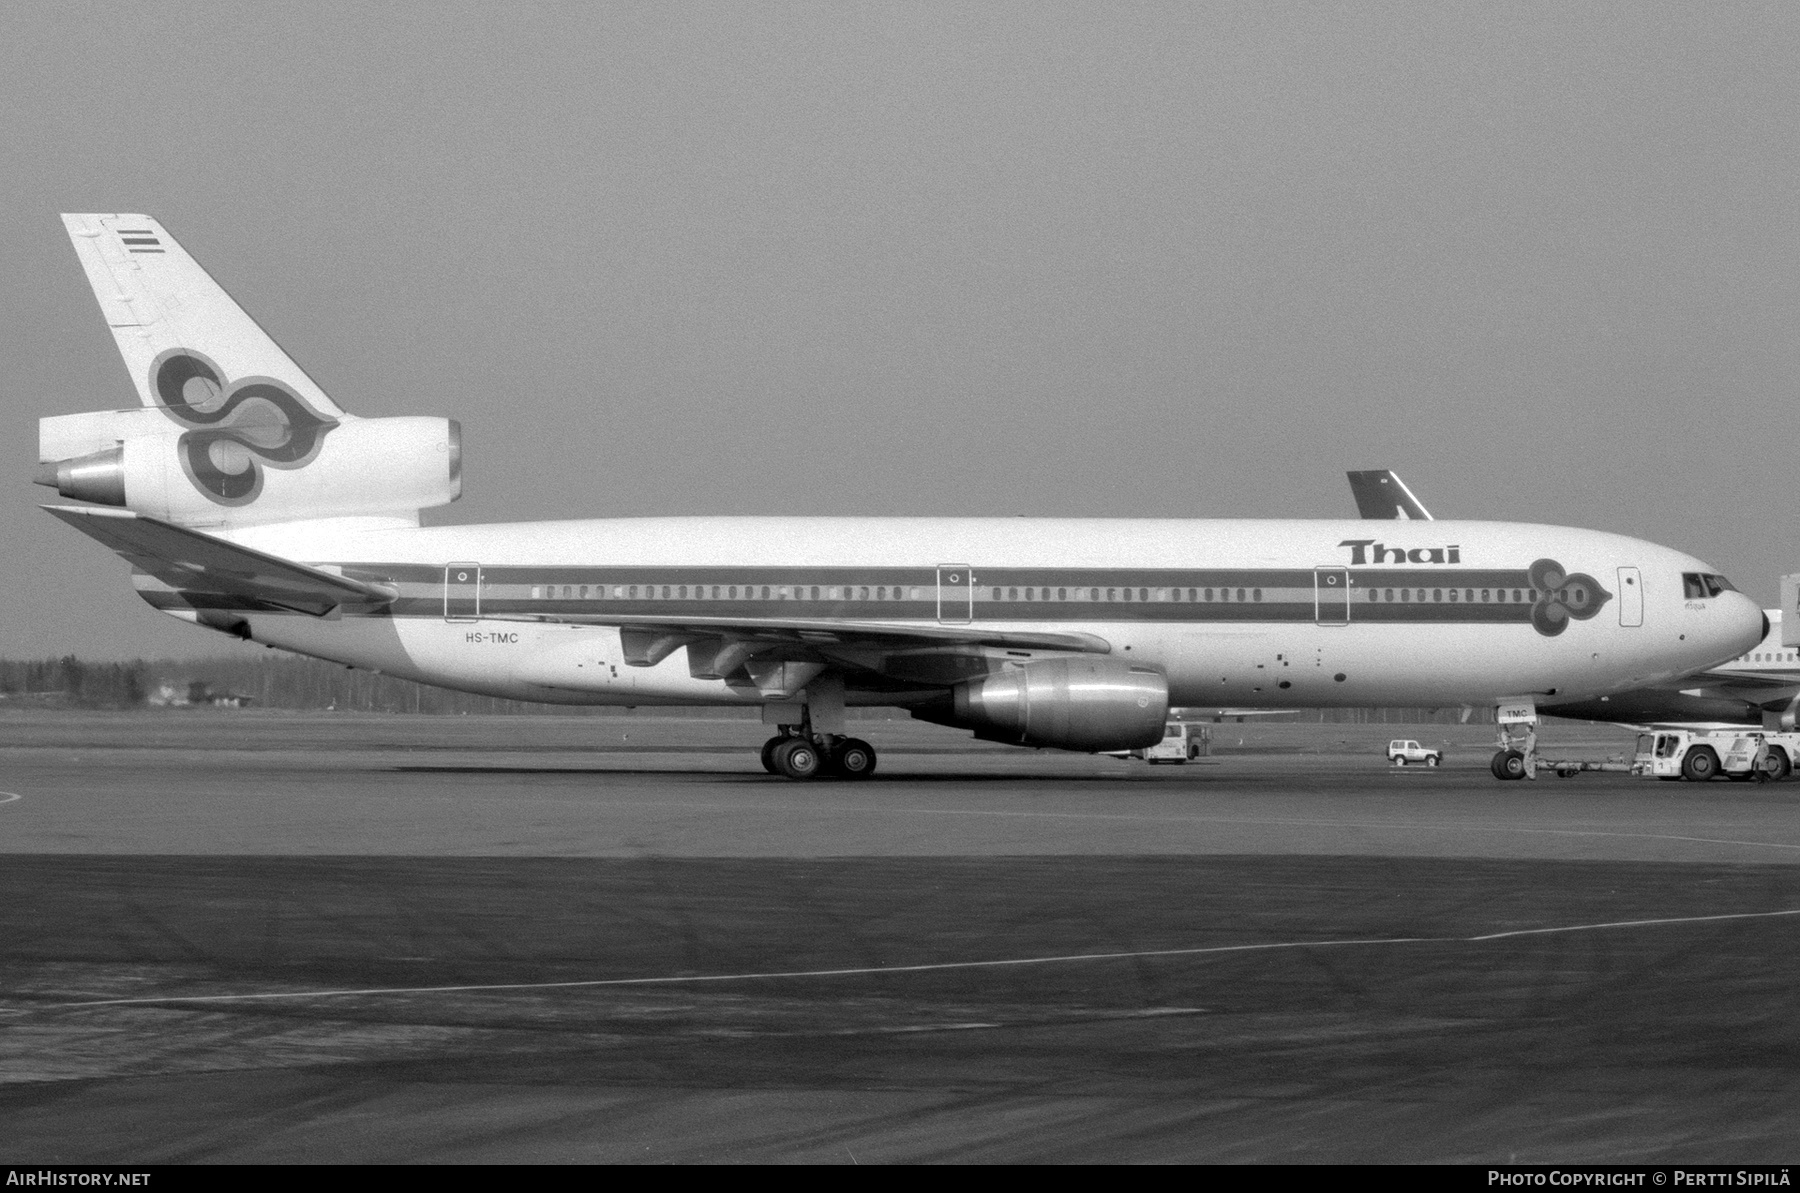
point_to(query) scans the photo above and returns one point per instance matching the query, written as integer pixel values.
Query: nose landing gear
(1516, 725)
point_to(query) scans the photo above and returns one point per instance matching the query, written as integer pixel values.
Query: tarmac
(260, 937)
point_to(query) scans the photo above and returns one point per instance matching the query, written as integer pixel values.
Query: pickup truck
(1402, 752)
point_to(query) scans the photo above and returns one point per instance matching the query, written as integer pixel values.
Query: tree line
(291, 682)
(273, 681)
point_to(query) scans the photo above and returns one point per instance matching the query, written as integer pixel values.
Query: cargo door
(1631, 597)
(462, 591)
(955, 594)
(1331, 595)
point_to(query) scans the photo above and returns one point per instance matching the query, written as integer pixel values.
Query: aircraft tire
(798, 758)
(1700, 765)
(1508, 765)
(853, 759)
(768, 754)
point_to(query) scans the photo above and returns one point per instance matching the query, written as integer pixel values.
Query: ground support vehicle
(1182, 742)
(1698, 755)
(1402, 752)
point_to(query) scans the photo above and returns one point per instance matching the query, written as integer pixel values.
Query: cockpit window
(1697, 586)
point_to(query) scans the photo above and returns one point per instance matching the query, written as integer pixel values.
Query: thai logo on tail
(238, 427)
(1559, 596)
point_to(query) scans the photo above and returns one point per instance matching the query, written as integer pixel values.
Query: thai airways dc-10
(249, 502)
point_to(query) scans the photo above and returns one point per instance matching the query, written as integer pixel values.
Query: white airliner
(249, 502)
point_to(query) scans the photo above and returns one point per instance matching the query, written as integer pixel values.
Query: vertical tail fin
(231, 432)
(158, 302)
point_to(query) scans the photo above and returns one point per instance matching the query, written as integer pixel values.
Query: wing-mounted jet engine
(1078, 703)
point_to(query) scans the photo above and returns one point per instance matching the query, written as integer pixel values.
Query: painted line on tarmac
(7, 797)
(1245, 821)
(1686, 919)
(932, 967)
(689, 979)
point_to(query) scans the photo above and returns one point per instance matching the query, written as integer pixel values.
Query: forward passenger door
(1631, 597)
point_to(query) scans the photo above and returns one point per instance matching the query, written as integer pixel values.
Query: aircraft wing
(647, 640)
(188, 559)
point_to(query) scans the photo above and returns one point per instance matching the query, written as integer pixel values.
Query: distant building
(197, 695)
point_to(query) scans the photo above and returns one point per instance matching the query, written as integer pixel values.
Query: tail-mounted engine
(262, 461)
(1079, 703)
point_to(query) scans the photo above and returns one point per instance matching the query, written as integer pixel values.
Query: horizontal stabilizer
(191, 561)
(1383, 497)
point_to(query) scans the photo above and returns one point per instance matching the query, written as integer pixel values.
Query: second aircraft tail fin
(1382, 495)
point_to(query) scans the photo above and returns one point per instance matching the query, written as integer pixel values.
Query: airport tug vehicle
(1698, 755)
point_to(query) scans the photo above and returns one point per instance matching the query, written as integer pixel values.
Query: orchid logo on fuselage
(239, 427)
(1558, 596)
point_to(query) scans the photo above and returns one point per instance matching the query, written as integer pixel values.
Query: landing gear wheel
(768, 754)
(1508, 764)
(1700, 764)
(853, 759)
(797, 758)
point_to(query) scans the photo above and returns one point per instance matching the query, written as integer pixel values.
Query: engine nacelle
(1080, 703)
(252, 470)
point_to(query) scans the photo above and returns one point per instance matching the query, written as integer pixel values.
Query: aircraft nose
(1742, 623)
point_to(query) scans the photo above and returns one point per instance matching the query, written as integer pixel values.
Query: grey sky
(1186, 260)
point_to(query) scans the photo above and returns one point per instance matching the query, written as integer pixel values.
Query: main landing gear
(812, 742)
(815, 755)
